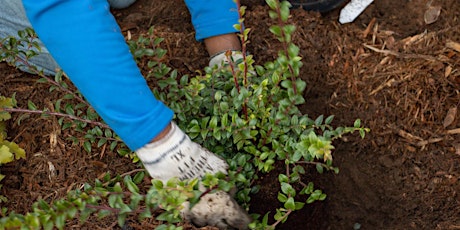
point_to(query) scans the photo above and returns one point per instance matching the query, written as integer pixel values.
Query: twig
(429, 141)
(406, 135)
(454, 131)
(369, 27)
(401, 55)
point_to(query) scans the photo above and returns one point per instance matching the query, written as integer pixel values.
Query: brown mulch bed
(389, 68)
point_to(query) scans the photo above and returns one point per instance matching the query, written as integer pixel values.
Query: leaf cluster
(9, 151)
(113, 195)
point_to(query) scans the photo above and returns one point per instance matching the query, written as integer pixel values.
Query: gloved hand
(175, 155)
(221, 58)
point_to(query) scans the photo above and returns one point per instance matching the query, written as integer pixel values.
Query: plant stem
(123, 175)
(285, 45)
(49, 80)
(281, 219)
(232, 68)
(19, 110)
(243, 43)
(113, 210)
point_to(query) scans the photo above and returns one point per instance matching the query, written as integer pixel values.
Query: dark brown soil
(389, 68)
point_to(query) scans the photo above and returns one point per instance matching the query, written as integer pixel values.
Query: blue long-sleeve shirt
(85, 40)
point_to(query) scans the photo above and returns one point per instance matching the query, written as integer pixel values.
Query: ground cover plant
(395, 72)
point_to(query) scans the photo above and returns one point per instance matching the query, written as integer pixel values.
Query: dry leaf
(432, 14)
(448, 71)
(52, 170)
(129, 36)
(457, 148)
(453, 45)
(450, 117)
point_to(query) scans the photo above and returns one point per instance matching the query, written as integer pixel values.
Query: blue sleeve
(85, 40)
(213, 17)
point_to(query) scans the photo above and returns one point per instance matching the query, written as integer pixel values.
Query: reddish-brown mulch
(389, 68)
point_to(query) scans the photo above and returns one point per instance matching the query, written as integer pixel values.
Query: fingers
(222, 59)
(218, 209)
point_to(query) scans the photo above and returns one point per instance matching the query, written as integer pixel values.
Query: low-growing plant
(244, 112)
(249, 114)
(9, 151)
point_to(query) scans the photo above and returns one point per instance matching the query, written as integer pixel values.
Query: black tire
(317, 5)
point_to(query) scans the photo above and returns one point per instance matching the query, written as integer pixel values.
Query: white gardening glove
(175, 155)
(221, 58)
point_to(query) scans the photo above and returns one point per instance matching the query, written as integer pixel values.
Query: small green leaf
(272, 3)
(322, 196)
(87, 146)
(31, 105)
(60, 221)
(284, 10)
(289, 204)
(287, 189)
(112, 200)
(139, 177)
(299, 205)
(319, 120)
(282, 198)
(276, 30)
(5, 155)
(132, 187)
(103, 213)
(329, 120)
(101, 142)
(213, 122)
(283, 178)
(158, 184)
(121, 220)
(310, 200)
(357, 123)
(319, 168)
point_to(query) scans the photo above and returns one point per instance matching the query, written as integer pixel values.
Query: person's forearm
(85, 40)
(217, 44)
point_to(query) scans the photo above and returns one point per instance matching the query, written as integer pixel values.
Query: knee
(120, 4)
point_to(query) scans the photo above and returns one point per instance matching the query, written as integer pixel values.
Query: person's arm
(85, 40)
(213, 21)
(212, 17)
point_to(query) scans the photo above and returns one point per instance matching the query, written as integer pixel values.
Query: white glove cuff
(175, 155)
(221, 59)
